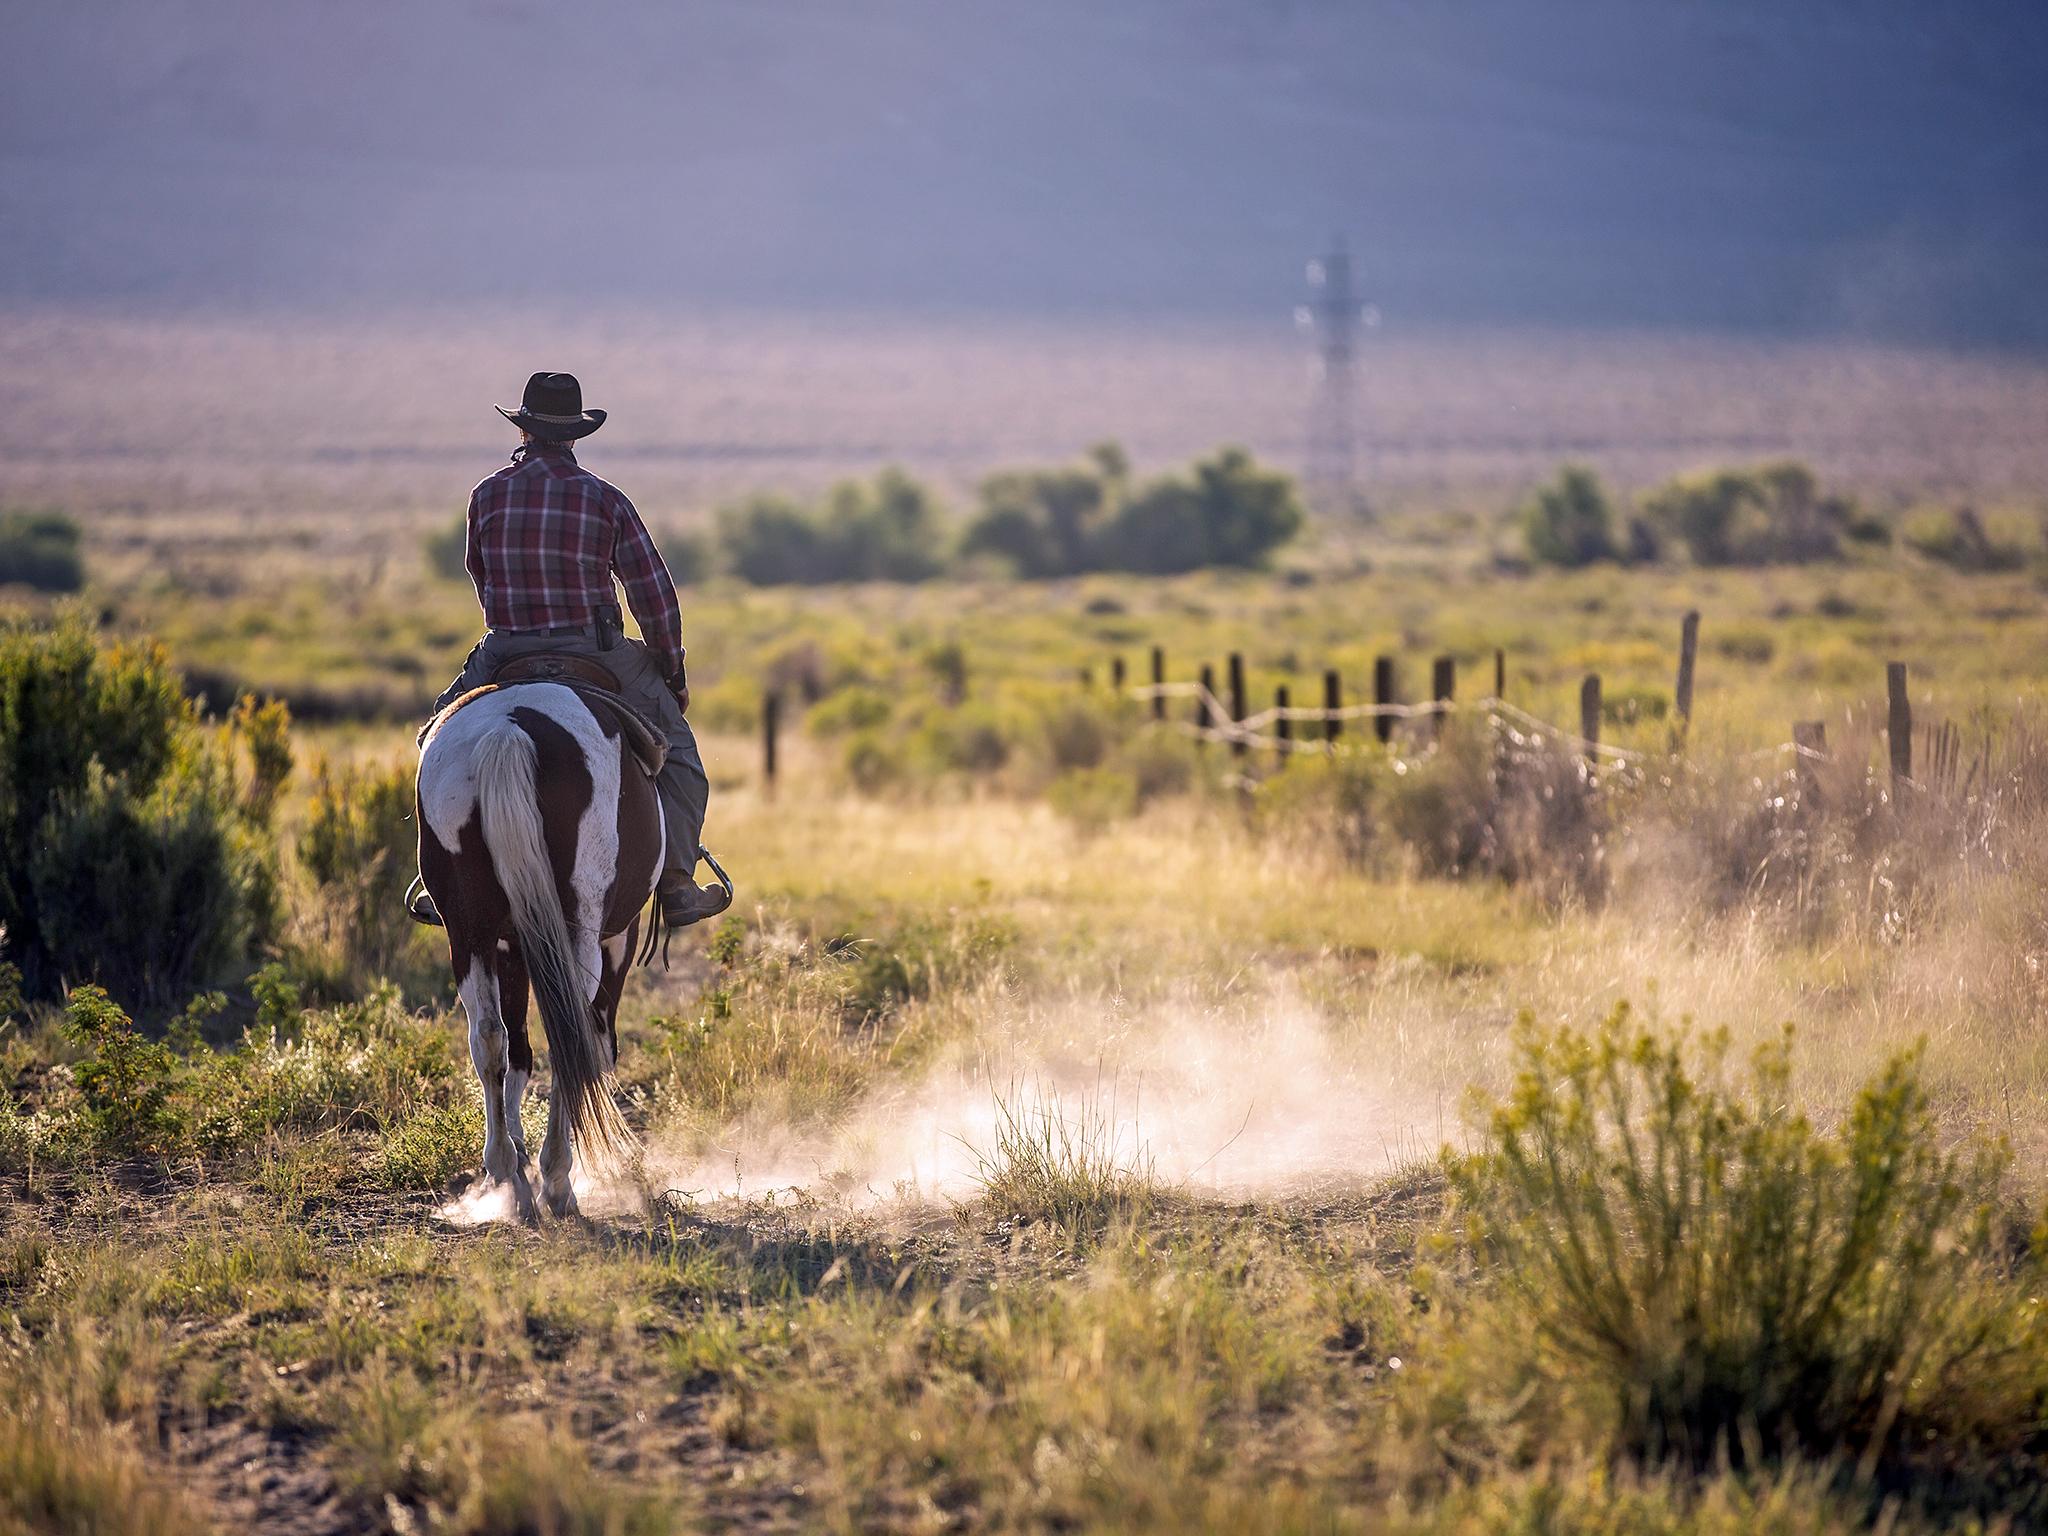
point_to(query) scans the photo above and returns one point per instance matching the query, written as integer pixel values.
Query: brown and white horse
(540, 842)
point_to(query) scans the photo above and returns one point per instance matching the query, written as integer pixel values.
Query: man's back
(545, 539)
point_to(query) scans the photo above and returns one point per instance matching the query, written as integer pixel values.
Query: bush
(1047, 522)
(127, 852)
(447, 549)
(1773, 512)
(1230, 512)
(1959, 539)
(41, 550)
(153, 895)
(1093, 798)
(1725, 1278)
(890, 530)
(360, 846)
(1570, 522)
(125, 1080)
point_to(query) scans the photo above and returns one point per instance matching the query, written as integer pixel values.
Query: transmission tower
(1335, 317)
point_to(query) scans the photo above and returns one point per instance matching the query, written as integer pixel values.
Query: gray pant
(683, 789)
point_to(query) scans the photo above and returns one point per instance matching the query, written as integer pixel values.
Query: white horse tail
(508, 802)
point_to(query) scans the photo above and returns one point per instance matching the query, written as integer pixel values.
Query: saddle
(593, 683)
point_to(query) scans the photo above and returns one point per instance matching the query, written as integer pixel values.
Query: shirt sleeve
(649, 591)
(472, 552)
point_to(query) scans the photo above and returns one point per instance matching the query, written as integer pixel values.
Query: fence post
(1382, 696)
(1443, 683)
(1203, 716)
(1285, 730)
(1500, 673)
(1809, 741)
(1899, 722)
(1116, 673)
(1158, 682)
(1333, 700)
(771, 712)
(1238, 711)
(1589, 715)
(1688, 649)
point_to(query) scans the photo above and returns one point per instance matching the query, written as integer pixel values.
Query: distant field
(236, 433)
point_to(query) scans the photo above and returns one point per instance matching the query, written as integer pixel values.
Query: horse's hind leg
(489, 1049)
(557, 1154)
(512, 999)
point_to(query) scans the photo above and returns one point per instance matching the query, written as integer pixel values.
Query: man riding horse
(546, 540)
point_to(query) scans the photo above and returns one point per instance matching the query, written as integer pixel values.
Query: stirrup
(660, 931)
(419, 906)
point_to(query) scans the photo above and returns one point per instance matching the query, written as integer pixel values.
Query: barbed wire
(1252, 734)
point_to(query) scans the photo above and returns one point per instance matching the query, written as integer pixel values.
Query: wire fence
(1253, 733)
(1272, 730)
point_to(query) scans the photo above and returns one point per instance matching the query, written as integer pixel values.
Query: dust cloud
(1245, 1098)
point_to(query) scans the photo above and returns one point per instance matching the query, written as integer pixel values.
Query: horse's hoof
(563, 1204)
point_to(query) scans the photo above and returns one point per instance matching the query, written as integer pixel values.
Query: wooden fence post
(1809, 743)
(1688, 650)
(1203, 717)
(771, 712)
(1285, 726)
(1382, 696)
(1116, 673)
(1589, 715)
(1333, 700)
(1899, 722)
(1158, 682)
(1500, 673)
(1238, 711)
(1443, 683)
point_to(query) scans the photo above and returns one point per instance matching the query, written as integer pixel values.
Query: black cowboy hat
(553, 408)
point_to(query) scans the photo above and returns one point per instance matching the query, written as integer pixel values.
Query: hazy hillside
(1873, 170)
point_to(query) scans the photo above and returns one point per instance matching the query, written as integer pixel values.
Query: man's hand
(679, 690)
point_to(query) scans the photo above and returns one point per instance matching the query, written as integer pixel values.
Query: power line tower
(1334, 315)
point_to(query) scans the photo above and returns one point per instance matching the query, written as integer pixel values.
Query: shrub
(125, 1080)
(889, 530)
(1044, 522)
(1726, 1278)
(1093, 798)
(447, 549)
(68, 709)
(1570, 522)
(1959, 539)
(1773, 512)
(264, 731)
(360, 846)
(154, 894)
(969, 739)
(41, 550)
(1077, 734)
(1230, 512)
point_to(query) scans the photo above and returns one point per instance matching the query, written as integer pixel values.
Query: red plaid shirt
(545, 539)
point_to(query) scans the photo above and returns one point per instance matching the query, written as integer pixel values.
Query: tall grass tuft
(1073, 1166)
(1732, 1280)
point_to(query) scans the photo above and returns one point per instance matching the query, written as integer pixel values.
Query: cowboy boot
(683, 901)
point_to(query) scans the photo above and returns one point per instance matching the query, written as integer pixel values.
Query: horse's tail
(508, 800)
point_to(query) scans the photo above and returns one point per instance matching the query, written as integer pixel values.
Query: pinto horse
(540, 842)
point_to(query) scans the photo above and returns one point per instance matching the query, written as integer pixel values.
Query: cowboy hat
(552, 408)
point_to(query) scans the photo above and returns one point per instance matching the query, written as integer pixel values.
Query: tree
(1570, 522)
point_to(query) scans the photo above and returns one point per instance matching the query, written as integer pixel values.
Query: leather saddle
(591, 682)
